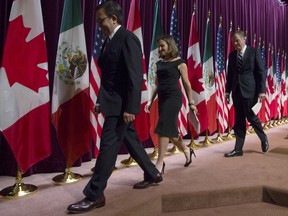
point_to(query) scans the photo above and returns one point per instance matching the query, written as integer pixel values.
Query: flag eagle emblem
(71, 63)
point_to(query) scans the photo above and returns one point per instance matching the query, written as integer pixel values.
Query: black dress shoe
(86, 205)
(234, 153)
(265, 146)
(147, 183)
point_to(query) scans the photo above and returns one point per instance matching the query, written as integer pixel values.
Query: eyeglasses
(100, 21)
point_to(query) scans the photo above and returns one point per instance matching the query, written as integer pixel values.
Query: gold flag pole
(218, 139)
(67, 177)
(19, 189)
(129, 162)
(173, 150)
(193, 144)
(154, 154)
(206, 141)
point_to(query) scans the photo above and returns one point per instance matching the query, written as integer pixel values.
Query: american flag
(220, 79)
(95, 80)
(283, 87)
(265, 104)
(182, 118)
(174, 30)
(278, 84)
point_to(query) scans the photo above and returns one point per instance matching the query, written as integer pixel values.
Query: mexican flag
(209, 80)
(154, 57)
(70, 101)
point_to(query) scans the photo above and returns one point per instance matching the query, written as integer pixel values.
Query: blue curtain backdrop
(266, 18)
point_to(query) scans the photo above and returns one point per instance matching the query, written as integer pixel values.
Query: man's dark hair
(111, 8)
(240, 33)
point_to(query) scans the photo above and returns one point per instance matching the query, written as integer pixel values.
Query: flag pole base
(265, 127)
(270, 125)
(154, 154)
(251, 131)
(218, 139)
(92, 169)
(206, 142)
(229, 136)
(18, 190)
(173, 150)
(129, 162)
(67, 177)
(194, 145)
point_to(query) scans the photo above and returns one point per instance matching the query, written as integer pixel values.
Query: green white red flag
(70, 100)
(209, 80)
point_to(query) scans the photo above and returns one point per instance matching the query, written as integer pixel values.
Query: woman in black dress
(169, 70)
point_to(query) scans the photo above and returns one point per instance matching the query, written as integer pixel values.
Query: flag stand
(193, 144)
(173, 150)
(206, 141)
(19, 189)
(129, 162)
(229, 136)
(218, 139)
(154, 154)
(67, 177)
(266, 126)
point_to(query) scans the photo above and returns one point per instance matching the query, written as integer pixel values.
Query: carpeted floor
(252, 185)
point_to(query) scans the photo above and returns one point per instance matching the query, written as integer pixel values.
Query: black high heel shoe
(163, 168)
(190, 161)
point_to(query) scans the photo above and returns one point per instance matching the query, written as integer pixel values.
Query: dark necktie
(106, 43)
(239, 61)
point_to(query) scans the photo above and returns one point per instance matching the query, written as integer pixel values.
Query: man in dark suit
(246, 79)
(119, 100)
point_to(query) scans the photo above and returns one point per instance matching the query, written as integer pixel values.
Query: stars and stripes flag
(153, 58)
(70, 100)
(220, 80)
(264, 112)
(182, 118)
(141, 122)
(96, 120)
(209, 80)
(196, 77)
(231, 111)
(283, 98)
(277, 83)
(24, 86)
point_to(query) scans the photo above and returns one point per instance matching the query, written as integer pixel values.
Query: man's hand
(227, 97)
(128, 118)
(261, 97)
(97, 108)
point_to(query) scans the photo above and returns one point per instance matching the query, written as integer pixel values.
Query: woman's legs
(181, 145)
(162, 149)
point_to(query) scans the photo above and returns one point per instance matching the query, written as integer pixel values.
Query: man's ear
(114, 18)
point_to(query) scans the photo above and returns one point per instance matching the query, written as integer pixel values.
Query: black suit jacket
(122, 74)
(251, 78)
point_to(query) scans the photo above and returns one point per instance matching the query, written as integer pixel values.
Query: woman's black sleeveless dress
(169, 97)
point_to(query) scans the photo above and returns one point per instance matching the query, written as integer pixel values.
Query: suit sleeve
(133, 58)
(229, 77)
(259, 73)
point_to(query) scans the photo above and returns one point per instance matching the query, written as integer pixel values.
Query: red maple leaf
(21, 58)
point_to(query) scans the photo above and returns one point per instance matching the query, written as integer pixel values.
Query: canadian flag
(24, 86)
(134, 24)
(196, 77)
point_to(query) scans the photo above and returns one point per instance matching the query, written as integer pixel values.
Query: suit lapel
(245, 56)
